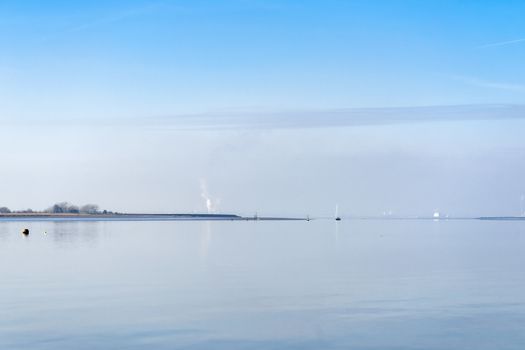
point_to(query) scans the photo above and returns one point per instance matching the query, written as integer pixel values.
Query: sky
(275, 107)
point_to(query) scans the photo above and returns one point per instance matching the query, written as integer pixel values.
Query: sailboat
(337, 217)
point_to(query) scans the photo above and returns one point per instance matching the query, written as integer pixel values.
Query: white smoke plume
(211, 204)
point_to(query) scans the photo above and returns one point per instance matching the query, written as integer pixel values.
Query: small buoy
(25, 231)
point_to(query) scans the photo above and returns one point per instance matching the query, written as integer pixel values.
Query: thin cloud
(337, 117)
(502, 43)
(489, 84)
(117, 17)
(258, 119)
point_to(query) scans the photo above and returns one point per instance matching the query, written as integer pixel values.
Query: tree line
(61, 208)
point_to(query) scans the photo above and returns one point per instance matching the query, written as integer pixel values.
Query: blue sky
(128, 59)
(135, 104)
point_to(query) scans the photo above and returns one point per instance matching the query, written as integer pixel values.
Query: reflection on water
(61, 231)
(260, 285)
(71, 232)
(205, 241)
(336, 234)
(4, 233)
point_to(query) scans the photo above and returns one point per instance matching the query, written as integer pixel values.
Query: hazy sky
(280, 107)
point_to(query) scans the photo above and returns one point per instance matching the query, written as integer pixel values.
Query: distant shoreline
(430, 218)
(213, 217)
(502, 218)
(137, 217)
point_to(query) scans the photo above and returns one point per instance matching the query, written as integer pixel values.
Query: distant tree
(62, 207)
(66, 207)
(89, 209)
(73, 209)
(4, 210)
(56, 209)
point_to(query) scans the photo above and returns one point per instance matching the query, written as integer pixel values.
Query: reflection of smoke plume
(205, 242)
(211, 205)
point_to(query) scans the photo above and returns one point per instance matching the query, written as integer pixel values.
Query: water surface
(263, 285)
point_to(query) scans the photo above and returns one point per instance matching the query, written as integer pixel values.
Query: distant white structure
(436, 215)
(337, 217)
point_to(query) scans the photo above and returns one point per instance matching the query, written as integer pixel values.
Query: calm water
(263, 285)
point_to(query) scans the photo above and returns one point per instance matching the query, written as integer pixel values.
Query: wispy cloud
(236, 119)
(489, 84)
(117, 17)
(338, 117)
(502, 43)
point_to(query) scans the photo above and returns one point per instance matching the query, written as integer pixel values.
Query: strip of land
(41, 216)
(133, 217)
(502, 218)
